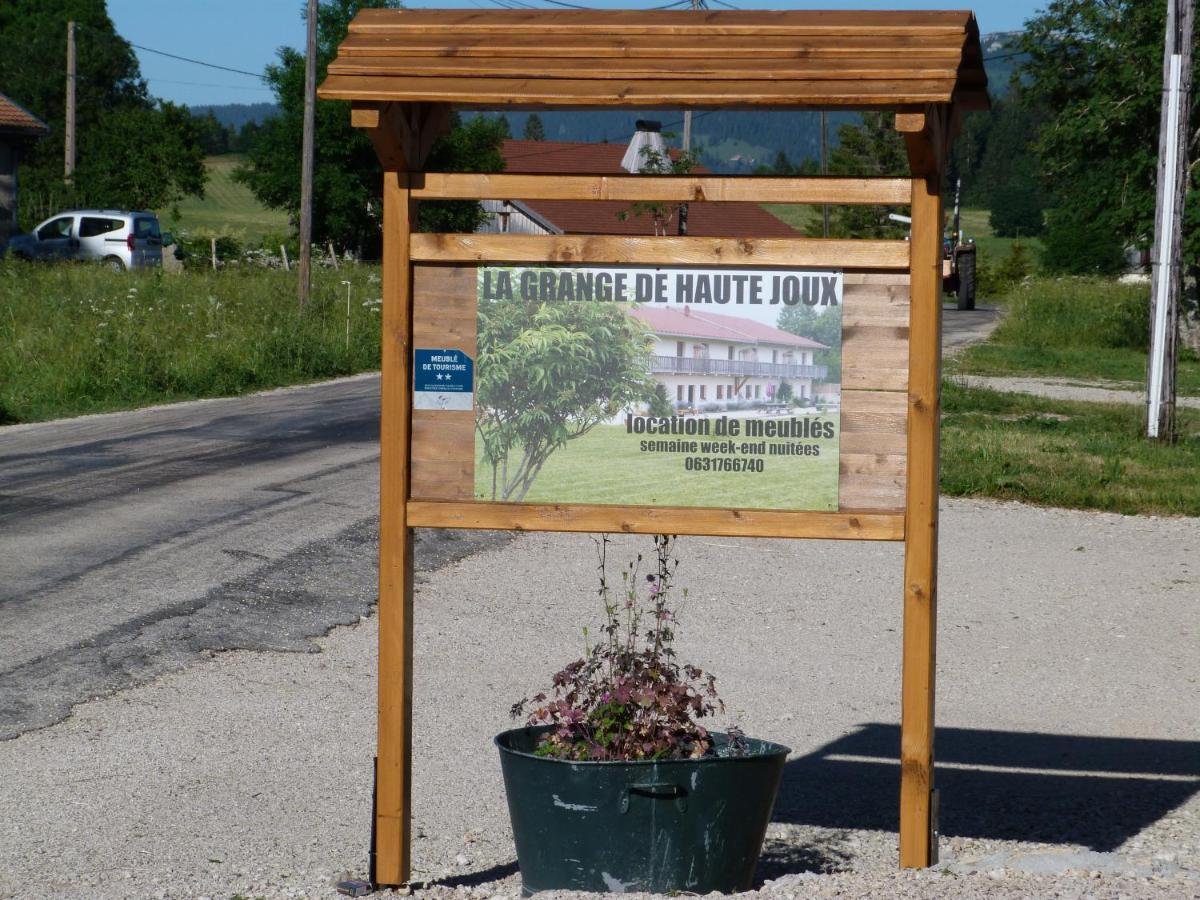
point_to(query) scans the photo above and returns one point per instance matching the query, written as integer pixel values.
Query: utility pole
(824, 171)
(69, 129)
(306, 165)
(1168, 220)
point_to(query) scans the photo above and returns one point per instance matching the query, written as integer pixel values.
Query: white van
(118, 238)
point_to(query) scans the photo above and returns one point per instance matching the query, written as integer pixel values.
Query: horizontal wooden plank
(469, 186)
(466, 44)
(510, 248)
(587, 23)
(883, 492)
(869, 377)
(749, 69)
(517, 93)
(864, 525)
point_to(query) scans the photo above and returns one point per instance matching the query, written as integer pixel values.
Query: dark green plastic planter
(693, 825)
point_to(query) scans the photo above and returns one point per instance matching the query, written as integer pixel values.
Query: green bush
(994, 279)
(1078, 245)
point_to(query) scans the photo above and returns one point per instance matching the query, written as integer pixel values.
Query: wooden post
(213, 247)
(306, 156)
(917, 844)
(69, 118)
(393, 792)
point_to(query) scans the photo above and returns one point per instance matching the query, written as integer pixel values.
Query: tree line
(1066, 154)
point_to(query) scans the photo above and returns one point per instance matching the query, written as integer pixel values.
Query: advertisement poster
(645, 386)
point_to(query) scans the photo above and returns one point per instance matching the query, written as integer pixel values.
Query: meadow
(81, 339)
(606, 466)
(227, 208)
(1056, 453)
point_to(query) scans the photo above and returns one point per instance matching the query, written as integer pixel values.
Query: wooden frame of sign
(402, 70)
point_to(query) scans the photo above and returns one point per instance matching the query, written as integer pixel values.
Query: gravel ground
(1069, 706)
(1071, 389)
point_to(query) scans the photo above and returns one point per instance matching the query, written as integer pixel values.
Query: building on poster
(707, 359)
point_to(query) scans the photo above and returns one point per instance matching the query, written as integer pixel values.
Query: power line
(230, 87)
(198, 62)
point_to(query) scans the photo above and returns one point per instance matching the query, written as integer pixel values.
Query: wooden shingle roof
(657, 59)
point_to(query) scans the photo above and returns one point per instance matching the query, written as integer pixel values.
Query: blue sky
(244, 34)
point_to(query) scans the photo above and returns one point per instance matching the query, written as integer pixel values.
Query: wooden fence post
(393, 792)
(918, 846)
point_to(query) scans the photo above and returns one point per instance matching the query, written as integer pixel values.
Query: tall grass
(76, 338)
(1085, 328)
(1077, 312)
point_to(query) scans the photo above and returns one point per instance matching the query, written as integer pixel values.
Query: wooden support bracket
(403, 133)
(927, 137)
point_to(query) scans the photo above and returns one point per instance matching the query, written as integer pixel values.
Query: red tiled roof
(709, 219)
(14, 117)
(687, 322)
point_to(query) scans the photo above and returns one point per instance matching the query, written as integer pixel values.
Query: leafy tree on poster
(548, 373)
(823, 327)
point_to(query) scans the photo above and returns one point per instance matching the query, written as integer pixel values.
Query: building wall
(666, 345)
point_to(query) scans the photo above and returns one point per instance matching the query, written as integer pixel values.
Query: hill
(236, 115)
(735, 142)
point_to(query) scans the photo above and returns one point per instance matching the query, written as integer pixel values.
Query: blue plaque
(443, 379)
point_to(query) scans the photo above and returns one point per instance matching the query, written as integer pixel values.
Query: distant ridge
(237, 114)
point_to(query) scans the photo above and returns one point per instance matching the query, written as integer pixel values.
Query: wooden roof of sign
(658, 59)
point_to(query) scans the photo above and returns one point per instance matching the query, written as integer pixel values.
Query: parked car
(118, 238)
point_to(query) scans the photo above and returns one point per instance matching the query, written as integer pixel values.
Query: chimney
(648, 136)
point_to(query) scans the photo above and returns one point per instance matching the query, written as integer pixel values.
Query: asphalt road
(133, 543)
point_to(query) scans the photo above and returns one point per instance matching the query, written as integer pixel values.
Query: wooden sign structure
(403, 71)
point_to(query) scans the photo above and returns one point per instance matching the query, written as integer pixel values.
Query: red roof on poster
(687, 322)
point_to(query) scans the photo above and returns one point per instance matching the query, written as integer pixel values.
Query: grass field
(977, 227)
(227, 207)
(1081, 455)
(1084, 328)
(606, 466)
(80, 339)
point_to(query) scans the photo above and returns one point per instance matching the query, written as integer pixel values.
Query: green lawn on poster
(605, 466)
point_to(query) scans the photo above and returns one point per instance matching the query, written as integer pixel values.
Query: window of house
(703, 392)
(731, 351)
(774, 356)
(679, 348)
(679, 392)
(757, 391)
(720, 391)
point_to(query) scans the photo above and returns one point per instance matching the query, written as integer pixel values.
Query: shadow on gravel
(470, 879)
(1094, 791)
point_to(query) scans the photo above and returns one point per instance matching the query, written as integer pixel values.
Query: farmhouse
(703, 358)
(517, 216)
(708, 358)
(19, 128)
